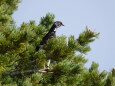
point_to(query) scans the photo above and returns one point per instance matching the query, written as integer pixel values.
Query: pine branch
(44, 70)
(34, 61)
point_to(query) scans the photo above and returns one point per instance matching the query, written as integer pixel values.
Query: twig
(29, 71)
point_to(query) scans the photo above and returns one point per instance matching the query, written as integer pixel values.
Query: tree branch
(45, 70)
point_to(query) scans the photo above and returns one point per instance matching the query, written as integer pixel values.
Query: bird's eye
(58, 24)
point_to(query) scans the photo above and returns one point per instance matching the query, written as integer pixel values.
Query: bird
(50, 34)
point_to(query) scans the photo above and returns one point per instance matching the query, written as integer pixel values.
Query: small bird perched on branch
(50, 34)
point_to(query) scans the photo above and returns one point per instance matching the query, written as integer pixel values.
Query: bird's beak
(62, 24)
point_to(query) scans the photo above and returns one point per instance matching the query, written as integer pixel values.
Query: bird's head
(58, 24)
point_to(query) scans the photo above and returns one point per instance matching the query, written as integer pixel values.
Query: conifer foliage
(17, 51)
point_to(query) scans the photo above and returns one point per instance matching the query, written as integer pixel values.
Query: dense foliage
(17, 51)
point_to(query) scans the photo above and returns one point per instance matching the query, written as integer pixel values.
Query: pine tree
(17, 49)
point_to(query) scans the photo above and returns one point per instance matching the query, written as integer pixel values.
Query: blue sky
(98, 15)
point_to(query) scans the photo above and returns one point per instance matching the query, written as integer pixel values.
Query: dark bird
(50, 34)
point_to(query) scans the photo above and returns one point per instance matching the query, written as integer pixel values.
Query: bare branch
(29, 71)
